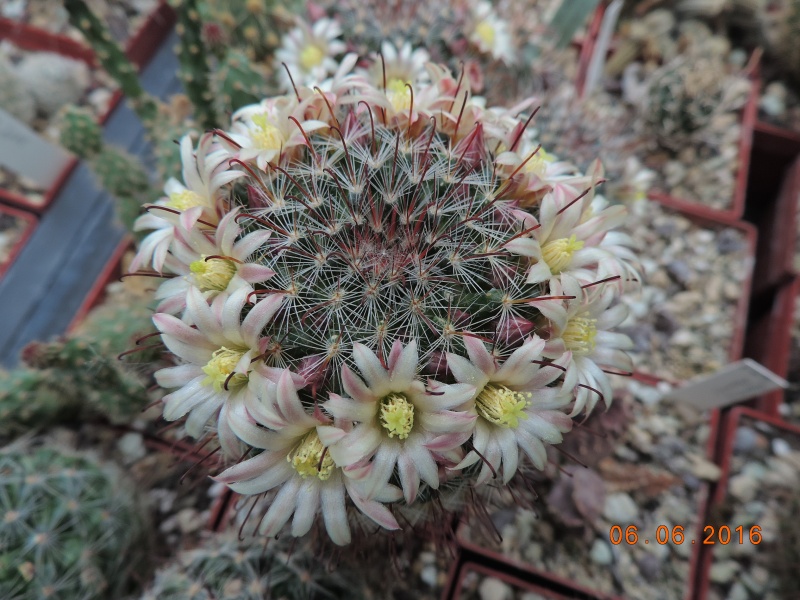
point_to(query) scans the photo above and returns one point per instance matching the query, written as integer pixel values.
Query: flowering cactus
(376, 291)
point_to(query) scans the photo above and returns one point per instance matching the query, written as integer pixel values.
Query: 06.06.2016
(663, 535)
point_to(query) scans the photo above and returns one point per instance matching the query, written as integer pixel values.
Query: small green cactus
(80, 377)
(15, 98)
(223, 567)
(238, 83)
(70, 528)
(80, 132)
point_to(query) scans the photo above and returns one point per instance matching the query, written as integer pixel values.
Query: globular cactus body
(80, 133)
(53, 80)
(15, 98)
(238, 82)
(683, 97)
(70, 528)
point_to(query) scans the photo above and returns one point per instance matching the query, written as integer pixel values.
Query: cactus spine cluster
(70, 528)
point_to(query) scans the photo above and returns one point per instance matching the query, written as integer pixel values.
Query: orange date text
(664, 535)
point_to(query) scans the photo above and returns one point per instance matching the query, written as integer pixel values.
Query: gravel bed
(763, 490)
(682, 321)
(477, 586)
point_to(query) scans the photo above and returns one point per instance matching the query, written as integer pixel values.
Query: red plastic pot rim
(520, 574)
(786, 136)
(140, 48)
(473, 567)
(779, 348)
(32, 222)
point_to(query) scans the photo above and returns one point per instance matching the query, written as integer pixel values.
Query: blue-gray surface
(52, 275)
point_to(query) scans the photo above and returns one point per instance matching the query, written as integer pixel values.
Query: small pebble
(620, 509)
(494, 589)
(723, 571)
(429, 575)
(781, 447)
(601, 553)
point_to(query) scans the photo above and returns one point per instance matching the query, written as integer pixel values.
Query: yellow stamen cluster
(502, 406)
(266, 136)
(214, 274)
(486, 32)
(558, 253)
(579, 335)
(538, 163)
(311, 458)
(311, 57)
(397, 415)
(185, 200)
(219, 368)
(399, 94)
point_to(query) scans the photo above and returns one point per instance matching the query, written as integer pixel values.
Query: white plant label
(24, 152)
(733, 383)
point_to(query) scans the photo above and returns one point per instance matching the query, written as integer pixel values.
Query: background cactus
(254, 26)
(435, 26)
(125, 178)
(113, 59)
(684, 96)
(195, 72)
(238, 82)
(15, 98)
(224, 567)
(53, 80)
(71, 528)
(79, 132)
(80, 377)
